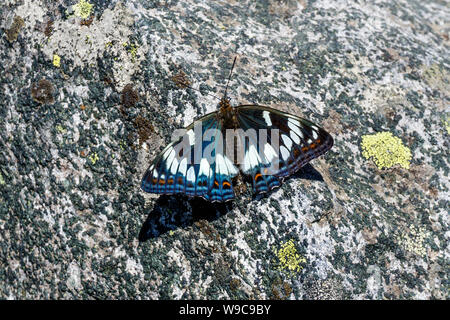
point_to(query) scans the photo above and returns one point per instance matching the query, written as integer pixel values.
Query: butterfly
(273, 145)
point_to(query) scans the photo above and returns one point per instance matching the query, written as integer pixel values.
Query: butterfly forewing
(176, 171)
(299, 141)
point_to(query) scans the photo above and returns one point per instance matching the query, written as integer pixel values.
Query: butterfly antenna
(209, 94)
(229, 77)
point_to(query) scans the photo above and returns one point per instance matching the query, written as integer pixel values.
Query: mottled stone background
(88, 99)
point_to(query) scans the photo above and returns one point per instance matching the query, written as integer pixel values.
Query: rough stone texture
(71, 210)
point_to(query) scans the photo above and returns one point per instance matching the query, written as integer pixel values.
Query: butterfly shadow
(171, 212)
(308, 172)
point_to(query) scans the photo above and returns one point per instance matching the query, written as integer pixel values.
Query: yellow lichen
(82, 9)
(94, 158)
(131, 48)
(414, 241)
(447, 124)
(288, 258)
(61, 129)
(386, 150)
(56, 60)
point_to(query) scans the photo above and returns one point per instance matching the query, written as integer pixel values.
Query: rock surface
(89, 98)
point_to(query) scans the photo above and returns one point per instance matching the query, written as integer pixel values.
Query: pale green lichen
(289, 260)
(132, 49)
(61, 129)
(447, 124)
(414, 241)
(94, 158)
(2, 181)
(82, 9)
(386, 150)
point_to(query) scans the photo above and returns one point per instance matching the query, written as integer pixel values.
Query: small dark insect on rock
(42, 91)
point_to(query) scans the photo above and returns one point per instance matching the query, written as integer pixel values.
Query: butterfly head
(224, 103)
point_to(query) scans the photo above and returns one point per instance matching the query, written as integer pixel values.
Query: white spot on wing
(231, 167)
(269, 152)
(294, 126)
(266, 117)
(191, 136)
(251, 158)
(174, 167)
(314, 134)
(295, 137)
(191, 174)
(183, 166)
(204, 167)
(170, 158)
(221, 166)
(287, 141)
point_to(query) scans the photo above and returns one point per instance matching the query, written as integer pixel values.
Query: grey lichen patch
(414, 241)
(83, 44)
(438, 77)
(327, 289)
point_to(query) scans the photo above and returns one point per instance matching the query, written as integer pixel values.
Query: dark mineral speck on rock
(129, 96)
(42, 91)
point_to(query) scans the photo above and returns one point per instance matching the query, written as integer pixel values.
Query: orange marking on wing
(304, 149)
(318, 141)
(216, 183)
(227, 184)
(312, 146)
(258, 175)
(161, 181)
(180, 180)
(154, 181)
(170, 181)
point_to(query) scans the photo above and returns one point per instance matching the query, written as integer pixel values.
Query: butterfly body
(214, 178)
